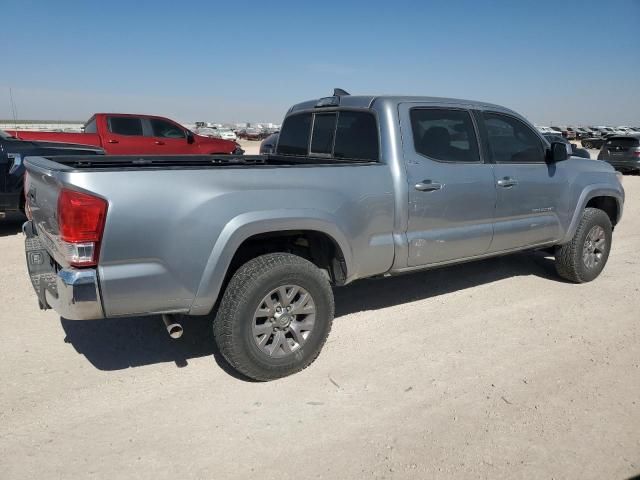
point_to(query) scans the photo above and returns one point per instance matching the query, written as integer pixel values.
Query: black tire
(570, 262)
(245, 293)
(587, 144)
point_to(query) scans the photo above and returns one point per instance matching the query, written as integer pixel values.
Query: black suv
(622, 152)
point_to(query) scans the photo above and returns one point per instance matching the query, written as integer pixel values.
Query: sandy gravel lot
(488, 370)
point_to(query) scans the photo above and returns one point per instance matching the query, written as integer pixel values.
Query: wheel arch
(604, 197)
(244, 233)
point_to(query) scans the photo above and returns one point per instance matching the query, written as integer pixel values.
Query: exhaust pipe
(174, 328)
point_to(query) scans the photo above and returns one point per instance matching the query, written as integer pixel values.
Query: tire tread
(246, 278)
(569, 255)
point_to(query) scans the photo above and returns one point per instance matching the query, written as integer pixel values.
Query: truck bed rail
(124, 162)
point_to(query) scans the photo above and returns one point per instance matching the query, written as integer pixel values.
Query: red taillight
(636, 153)
(81, 220)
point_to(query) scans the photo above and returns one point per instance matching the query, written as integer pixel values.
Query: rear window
(324, 129)
(623, 142)
(125, 125)
(294, 136)
(343, 134)
(91, 127)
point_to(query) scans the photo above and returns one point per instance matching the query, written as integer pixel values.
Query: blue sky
(560, 61)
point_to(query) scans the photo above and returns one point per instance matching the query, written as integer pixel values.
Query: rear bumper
(628, 165)
(73, 293)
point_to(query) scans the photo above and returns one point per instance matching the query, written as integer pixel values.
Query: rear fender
(249, 224)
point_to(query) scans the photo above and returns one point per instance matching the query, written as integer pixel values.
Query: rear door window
(444, 134)
(125, 125)
(356, 136)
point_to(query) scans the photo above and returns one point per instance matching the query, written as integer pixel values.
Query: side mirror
(558, 152)
(190, 138)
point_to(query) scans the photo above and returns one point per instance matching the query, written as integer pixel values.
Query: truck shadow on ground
(11, 225)
(116, 344)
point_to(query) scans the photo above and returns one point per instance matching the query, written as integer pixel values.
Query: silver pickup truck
(358, 186)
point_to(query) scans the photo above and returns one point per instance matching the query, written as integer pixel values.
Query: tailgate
(68, 219)
(621, 148)
(42, 189)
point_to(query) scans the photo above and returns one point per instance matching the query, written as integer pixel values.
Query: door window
(164, 129)
(125, 125)
(357, 136)
(447, 135)
(512, 141)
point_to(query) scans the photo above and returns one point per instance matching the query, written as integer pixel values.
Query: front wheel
(584, 257)
(275, 316)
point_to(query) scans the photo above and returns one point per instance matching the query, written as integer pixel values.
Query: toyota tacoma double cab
(12, 155)
(131, 134)
(358, 186)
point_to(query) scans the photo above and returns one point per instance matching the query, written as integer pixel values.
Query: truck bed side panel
(166, 230)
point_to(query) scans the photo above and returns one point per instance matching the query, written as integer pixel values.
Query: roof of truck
(367, 101)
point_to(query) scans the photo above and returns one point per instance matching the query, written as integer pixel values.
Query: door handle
(158, 142)
(507, 182)
(428, 186)
(113, 140)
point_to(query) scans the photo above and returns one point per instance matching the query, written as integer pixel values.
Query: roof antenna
(13, 109)
(338, 92)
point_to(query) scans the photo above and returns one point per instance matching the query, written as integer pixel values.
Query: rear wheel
(587, 144)
(584, 257)
(274, 317)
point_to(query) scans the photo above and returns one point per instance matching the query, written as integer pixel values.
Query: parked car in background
(622, 152)
(607, 130)
(359, 186)
(572, 132)
(584, 132)
(626, 130)
(595, 142)
(268, 145)
(12, 155)
(566, 131)
(546, 130)
(129, 134)
(226, 134)
(558, 131)
(572, 148)
(206, 131)
(251, 134)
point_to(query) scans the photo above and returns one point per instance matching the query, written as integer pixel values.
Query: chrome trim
(78, 295)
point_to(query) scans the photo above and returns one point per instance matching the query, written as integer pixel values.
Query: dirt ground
(494, 370)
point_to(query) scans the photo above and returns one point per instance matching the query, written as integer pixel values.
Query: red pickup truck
(128, 134)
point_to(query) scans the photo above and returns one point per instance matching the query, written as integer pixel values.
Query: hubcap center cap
(283, 320)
